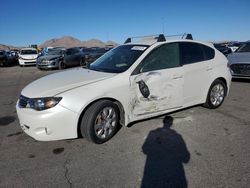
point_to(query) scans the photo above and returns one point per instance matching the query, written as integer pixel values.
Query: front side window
(191, 53)
(163, 57)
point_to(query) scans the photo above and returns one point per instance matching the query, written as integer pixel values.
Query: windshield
(55, 52)
(119, 59)
(244, 48)
(28, 52)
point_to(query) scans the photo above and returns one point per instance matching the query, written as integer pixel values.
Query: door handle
(153, 74)
(209, 68)
(177, 76)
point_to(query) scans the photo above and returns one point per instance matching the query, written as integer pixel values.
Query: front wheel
(62, 65)
(82, 63)
(100, 122)
(216, 94)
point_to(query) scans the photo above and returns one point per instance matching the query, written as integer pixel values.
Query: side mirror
(143, 89)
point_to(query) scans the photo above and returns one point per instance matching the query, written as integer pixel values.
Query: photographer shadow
(166, 152)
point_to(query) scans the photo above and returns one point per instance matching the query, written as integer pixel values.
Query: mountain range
(68, 42)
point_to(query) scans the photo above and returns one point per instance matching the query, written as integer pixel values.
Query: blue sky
(24, 22)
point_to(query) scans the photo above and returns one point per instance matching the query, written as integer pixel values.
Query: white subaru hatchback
(131, 82)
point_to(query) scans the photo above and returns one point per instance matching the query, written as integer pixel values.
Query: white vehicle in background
(27, 56)
(134, 81)
(233, 48)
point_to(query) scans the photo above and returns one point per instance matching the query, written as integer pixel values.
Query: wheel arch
(118, 103)
(207, 90)
(224, 81)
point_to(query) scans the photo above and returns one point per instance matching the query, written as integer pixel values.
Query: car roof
(155, 40)
(151, 42)
(28, 49)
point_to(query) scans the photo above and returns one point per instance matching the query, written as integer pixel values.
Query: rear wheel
(216, 94)
(100, 121)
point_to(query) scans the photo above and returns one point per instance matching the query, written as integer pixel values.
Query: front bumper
(56, 123)
(47, 65)
(27, 61)
(240, 70)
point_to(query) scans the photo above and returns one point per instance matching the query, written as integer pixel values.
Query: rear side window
(191, 53)
(163, 57)
(208, 52)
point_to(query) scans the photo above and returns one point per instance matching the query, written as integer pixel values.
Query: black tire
(89, 122)
(82, 63)
(62, 65)
(211, 101)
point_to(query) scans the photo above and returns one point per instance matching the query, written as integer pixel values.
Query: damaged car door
(157, 82)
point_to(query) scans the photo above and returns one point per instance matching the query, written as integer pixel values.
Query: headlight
(43, 103)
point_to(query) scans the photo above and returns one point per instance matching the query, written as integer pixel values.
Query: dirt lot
(197, 147)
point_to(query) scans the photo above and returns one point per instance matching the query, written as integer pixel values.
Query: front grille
(243, 69)
(23, 101)
(29, 62)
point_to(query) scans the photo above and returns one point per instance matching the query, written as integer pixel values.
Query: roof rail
(157, 38)
(183, 36)
(160, 37)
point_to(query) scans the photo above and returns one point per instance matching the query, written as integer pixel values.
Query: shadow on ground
(241, 80)
(166, 152)
(6, 120)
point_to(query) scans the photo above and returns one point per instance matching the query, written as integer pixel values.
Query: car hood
(29, 56)
(60, 82)
(243, 57)
(49, 57)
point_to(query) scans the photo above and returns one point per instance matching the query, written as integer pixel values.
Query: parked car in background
(27, 56)
(73, 57)
(45, 50)
(52, 59)
(239, 61)
(94, 53)
(7, 58)
(223, 49)
(13, 57)
(134, 81)
(234, 45)
(3, 58)
(81, 56)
